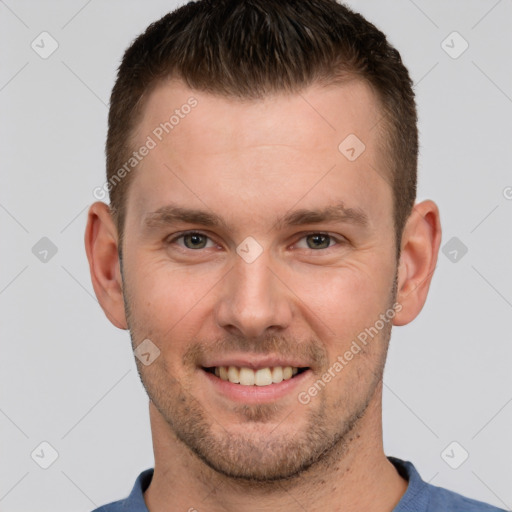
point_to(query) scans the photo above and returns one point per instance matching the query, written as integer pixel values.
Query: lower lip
(255, 394)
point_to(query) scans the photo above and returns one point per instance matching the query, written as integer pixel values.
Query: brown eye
(195, 241)
(192, 240)
(318, 241)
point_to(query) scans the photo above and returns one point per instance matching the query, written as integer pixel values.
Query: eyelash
(342, 241)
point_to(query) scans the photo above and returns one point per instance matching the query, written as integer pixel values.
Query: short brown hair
(252, 48)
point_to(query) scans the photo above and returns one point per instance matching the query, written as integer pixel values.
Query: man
(262, 239)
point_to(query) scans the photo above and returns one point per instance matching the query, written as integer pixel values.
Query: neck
(356, 476)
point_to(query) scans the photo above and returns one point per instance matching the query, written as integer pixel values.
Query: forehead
(301, 118)
(319, 146)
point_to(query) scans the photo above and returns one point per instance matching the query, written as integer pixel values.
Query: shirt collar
(415, 497)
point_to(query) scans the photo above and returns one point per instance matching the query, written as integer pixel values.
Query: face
(256, 253)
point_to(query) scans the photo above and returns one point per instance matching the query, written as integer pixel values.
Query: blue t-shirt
(419, 497)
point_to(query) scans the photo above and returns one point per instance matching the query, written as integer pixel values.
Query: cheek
(346, 299)
(163, 297)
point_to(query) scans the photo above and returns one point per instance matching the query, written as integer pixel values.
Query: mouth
(254, 378)
(261, 377)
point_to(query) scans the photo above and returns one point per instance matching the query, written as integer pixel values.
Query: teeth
(223, 373)
(246, 377)
(277, 374)
(261, 377)
(233, 374)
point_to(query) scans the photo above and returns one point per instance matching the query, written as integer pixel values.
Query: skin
(251, 163)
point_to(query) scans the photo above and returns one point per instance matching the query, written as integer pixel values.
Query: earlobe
(421, 239)
(101, 245)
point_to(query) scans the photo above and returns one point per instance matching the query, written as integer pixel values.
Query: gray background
(68, 377)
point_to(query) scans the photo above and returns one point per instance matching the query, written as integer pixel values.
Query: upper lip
(255, 362)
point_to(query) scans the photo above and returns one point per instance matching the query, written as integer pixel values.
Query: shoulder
(135, 501)
(115, 506)
(424, 497)
(443, 499)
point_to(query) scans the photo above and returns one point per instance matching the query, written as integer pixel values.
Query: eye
(193, 240)
(316, 241)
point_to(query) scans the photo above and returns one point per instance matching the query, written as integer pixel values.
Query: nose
(254, 299)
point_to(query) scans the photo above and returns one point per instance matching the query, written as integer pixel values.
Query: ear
(101, 246)
(420, 243)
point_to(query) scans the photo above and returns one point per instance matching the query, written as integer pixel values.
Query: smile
(255, 377)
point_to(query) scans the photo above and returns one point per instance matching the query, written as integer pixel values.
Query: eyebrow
(172, 214)
(333, 213)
